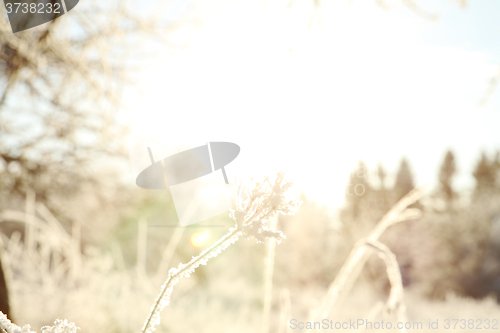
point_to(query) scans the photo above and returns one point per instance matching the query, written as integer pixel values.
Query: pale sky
(314, 94)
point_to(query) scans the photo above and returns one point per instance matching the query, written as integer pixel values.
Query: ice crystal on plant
(60, 326)
(7, 326)
(258, 202)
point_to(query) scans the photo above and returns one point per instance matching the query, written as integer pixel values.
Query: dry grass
(360, 254)
(51, 277)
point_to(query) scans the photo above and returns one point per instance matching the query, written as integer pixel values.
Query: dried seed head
(258, 202)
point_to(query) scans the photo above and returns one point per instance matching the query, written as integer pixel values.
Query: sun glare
(312, 86)
(200, 238)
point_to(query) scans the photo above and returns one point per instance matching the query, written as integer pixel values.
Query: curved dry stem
(491, 89)
(395, 302)
(420, 11)
(360, 254)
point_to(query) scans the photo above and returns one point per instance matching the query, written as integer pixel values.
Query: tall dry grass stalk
(168, 253)
(256, 204)
(285, 310)
(268, 277)
(395, 302)
(142, 242)
(56, 270)
(360, 254)
(30, 228)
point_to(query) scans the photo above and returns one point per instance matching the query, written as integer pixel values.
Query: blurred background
(358, 102)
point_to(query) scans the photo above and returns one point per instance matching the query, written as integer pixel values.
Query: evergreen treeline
(455, 247)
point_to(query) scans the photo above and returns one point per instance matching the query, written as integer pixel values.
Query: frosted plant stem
(254, 207)
(185, 270)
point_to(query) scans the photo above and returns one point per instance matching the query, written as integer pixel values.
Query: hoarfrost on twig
(256, 203)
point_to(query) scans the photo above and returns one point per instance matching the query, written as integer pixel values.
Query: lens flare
(200, 238)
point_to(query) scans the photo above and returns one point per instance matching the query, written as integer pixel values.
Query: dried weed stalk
(285, 310)
(256, 204)
(360, 254)
(268, 278)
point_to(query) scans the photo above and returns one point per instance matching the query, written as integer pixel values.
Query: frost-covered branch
(256, 203)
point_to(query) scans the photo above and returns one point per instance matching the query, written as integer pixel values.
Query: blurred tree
(358, 189)
(383, 194)
(58, 97)
(465, 259)
(496, 167)
(404, 180)
(362, 212)
(485, 174)
(312, 252)
(382, 174)
(60, 133)
(60, 84)
(364, 206)
(446, 174)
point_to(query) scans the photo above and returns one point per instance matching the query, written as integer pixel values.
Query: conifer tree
(404, 180)
(446, 174)
(382, 175)
(496, 166)
(485, 175)
(357, 188)
(383, 194)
